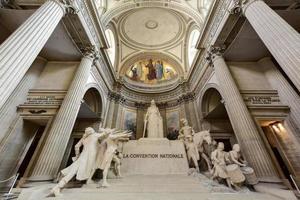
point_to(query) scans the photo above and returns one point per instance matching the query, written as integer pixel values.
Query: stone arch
(215, 116)
(208, 90)
(95, 94)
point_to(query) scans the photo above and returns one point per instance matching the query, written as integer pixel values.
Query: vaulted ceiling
(144, 28)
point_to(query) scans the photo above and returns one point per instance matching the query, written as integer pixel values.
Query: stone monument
(153, 154)
(153, 123)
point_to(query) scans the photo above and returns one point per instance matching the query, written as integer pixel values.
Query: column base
(40, 178)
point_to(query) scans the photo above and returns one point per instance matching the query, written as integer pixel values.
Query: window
(112, 45)
(192, 46)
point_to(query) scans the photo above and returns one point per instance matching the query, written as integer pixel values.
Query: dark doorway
(277, 151)
(34, 143)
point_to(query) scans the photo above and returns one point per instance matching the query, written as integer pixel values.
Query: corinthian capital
(91, 52)
(214, 51)
(238, 6)
(71, 7)
(68, 6)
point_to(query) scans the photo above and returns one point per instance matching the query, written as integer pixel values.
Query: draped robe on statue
(154, 122)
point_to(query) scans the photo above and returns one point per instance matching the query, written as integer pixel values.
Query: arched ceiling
(152, 27)
(149, 30)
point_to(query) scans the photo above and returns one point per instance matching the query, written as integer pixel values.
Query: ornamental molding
(120, 9)
(208, 37)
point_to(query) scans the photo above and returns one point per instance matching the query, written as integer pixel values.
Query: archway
(215, 118)
(89, 115)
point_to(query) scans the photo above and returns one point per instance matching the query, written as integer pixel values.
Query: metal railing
(295, 184)
(9, 194)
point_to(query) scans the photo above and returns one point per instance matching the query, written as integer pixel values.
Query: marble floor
(139, 187)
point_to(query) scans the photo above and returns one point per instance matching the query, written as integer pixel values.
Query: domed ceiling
(152, 28)
(149, 30)
(145, 28)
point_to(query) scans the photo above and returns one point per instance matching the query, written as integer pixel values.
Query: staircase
(149, 187)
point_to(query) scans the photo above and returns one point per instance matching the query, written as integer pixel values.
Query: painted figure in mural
(159, 70)
(152, 72)
(153, 122)
(84, 162)
(134, 73)
(169, 74)
(139, 70)
(109, 153)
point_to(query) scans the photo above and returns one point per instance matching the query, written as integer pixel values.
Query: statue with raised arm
(153, 122)
(110, 149)
(84, 162)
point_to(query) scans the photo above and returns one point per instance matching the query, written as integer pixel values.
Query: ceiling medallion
(151, 24)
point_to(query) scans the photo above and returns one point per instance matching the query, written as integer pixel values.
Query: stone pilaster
(21, 48)
(282, 40)
(286, 92)
(110, 111)
(243, 124)
(8, 112)
(141, 107)
(48, 161)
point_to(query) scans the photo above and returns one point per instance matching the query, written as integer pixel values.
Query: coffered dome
(152, 28)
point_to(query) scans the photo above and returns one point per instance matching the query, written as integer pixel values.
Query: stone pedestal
(154, 156)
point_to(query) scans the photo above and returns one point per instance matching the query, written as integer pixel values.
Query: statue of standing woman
(153, 122)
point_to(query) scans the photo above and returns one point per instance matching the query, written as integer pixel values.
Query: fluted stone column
(48, 162)
(8, 112)
(20, 49)
(282, 40)
(286, 92)
(244, 126)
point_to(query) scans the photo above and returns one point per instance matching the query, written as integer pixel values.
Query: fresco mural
(151, 71)
(172, 124)
(129, 122)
